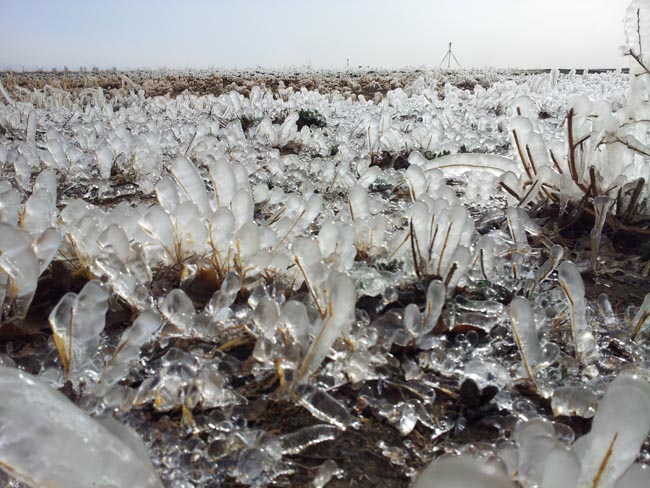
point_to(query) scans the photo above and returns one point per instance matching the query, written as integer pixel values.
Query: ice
(177, 307)
(619, 428)
(339, 313)
(641, 316)
(602, 204)
(128, 349)
(300, 440)
(324, 407)
(574, 290)
(435, 301)
(30, 131)
(47, 441)
(525, 334)
(574, 401)
(550, 264)
(326, 472)
(535, 440)
(20, 263)
(440, 234)
(637, 476)
(105, 159)
(350, 274)
(562, 468)
(462, 472)
(190, 183)
(76, 322)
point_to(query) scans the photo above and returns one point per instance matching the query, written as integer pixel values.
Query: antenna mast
(448, 57)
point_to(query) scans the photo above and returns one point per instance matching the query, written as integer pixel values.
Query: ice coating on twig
(525, 334)
(545, 270)
(619, 429)
(439, 238)
(436, 293)
(641, 317)
(574, 290)
(71, 451)
(76, 322)
(339, 313)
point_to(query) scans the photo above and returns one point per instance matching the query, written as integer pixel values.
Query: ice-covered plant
(369, 229)
(439, 237)
(77, 322)
(525, 334)
(419, 324)
(23, 257)
(141, 331)
(338, 314)
(574, 290)
(641, 317)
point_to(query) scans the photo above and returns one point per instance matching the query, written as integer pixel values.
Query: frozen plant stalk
(619, 429)
(525, 333)
(641, 316)
(76, 322)
(574, 289)
(339, 314)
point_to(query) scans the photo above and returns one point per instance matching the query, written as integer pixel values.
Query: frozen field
(307, 278)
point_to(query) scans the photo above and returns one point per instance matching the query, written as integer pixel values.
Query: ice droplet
(574, 401)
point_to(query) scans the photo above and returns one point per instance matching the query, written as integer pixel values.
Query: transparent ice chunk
(325, 407)
(48, 441)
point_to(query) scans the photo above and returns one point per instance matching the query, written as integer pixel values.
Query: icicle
(602, 204)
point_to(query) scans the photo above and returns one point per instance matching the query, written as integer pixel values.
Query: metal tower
(448, 57)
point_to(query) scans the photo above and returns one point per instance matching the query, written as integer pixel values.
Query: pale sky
(279, 33)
